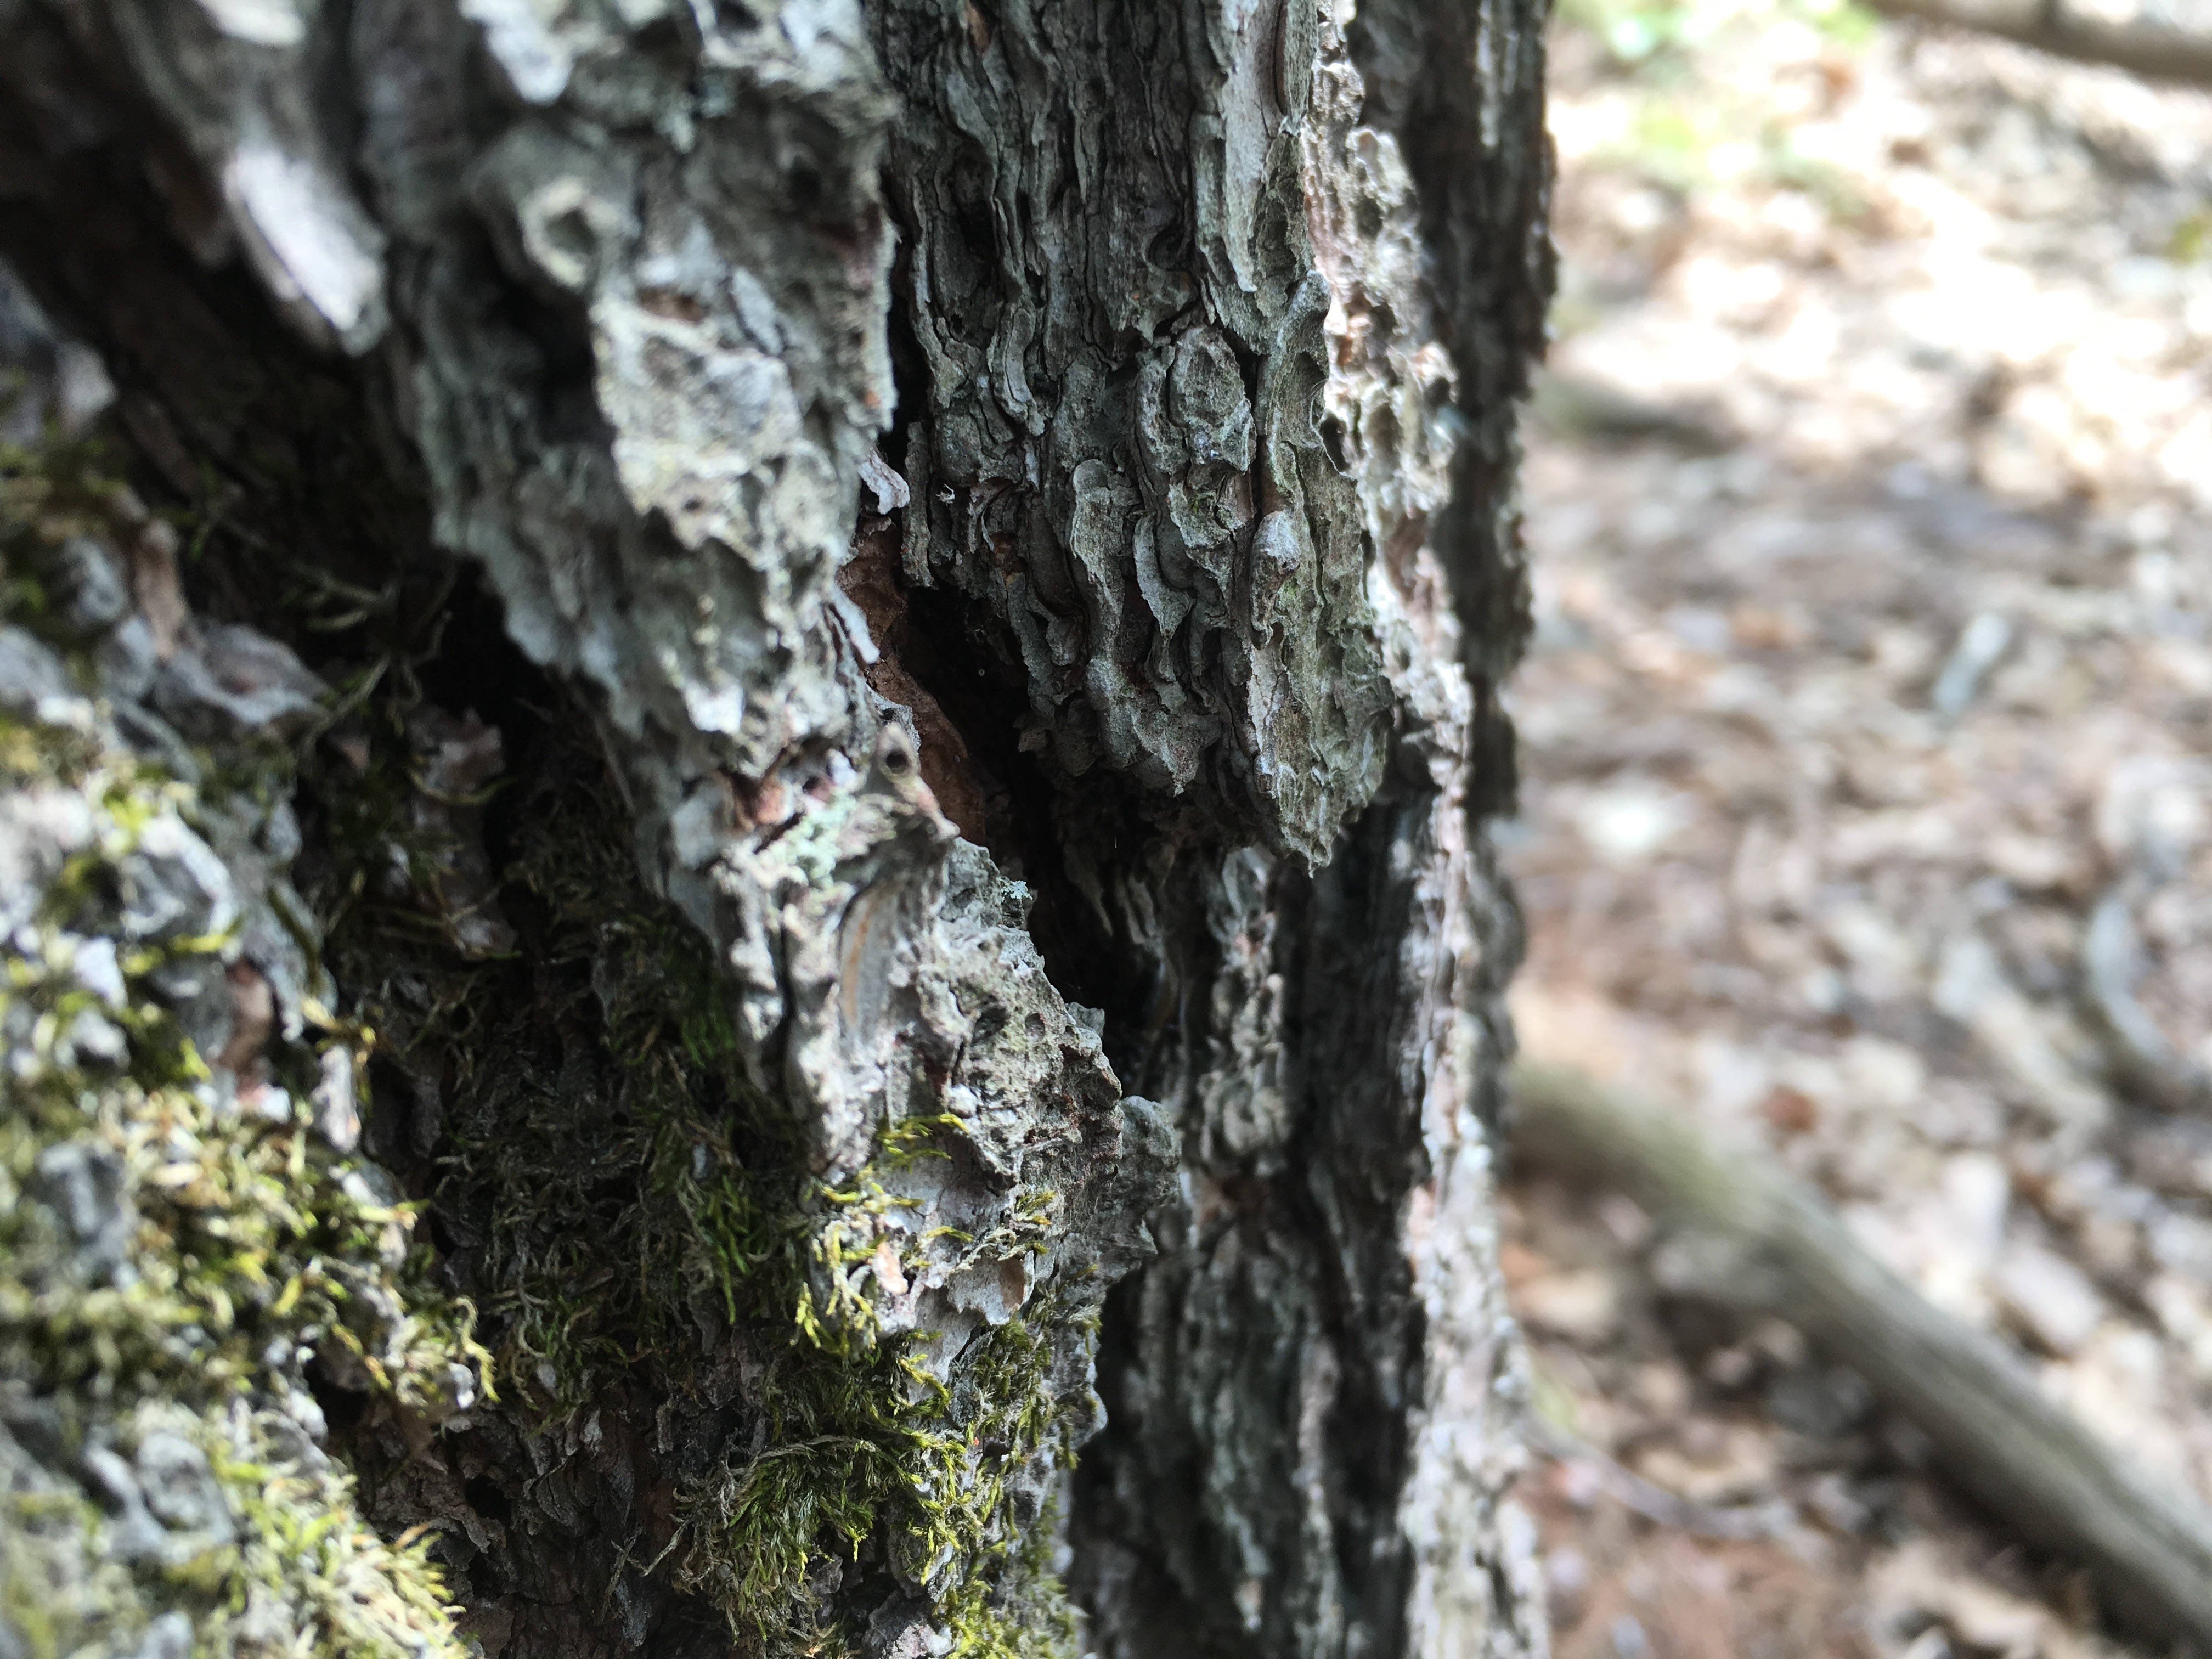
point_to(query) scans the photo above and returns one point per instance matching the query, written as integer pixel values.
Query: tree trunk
(747, 794)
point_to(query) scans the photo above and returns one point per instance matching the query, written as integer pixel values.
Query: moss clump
(858, 1444)
(866, 1444)
(650, 1216)
(173, 1249)
(247, 1229)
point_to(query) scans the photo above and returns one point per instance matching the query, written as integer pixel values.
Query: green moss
(47, 496)
(305, 1548)
(861, 1446)
(245, 1229)
(226, 1242)
(646, 1198)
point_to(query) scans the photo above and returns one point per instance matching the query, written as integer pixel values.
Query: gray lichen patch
(681, 209)
(240, 80)
(182, 1231)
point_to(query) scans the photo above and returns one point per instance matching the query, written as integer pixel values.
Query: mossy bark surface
(828, 680)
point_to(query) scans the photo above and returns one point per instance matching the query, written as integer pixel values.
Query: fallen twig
(2157, 52)
(1778, 1249)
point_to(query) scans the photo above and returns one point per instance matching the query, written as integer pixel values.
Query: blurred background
(1867, 805)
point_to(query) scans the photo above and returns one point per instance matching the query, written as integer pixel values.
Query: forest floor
(1869, 508)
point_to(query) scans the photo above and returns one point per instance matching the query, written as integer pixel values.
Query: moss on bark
(178, 1244)
(650, 1220)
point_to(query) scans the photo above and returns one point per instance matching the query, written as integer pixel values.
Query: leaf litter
(1867, 800)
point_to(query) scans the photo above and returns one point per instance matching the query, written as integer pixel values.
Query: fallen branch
(1773, 1245)
(2157, 52)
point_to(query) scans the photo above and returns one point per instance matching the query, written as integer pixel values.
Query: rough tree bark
(746, 792)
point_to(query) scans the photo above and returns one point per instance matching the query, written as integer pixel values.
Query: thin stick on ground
(2157, 52)
(2039, 1472)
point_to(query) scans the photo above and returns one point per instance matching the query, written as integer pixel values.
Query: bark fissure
(1241, 1367)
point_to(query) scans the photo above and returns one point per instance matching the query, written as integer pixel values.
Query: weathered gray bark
(712, 458)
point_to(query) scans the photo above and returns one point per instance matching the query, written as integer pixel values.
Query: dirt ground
(1867, 807)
